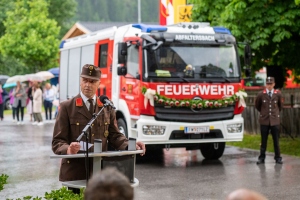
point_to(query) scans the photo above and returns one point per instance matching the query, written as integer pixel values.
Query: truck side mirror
(122, 52)
(122, 70)
(247, 55)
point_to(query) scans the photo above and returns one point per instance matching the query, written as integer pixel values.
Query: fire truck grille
(179, 135)
(187, 115)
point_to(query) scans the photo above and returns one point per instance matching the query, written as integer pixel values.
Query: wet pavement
(175, 174)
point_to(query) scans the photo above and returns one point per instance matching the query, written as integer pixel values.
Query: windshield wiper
(226, 79)
(171, 77)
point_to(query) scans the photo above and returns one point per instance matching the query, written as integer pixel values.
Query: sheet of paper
(83, 145)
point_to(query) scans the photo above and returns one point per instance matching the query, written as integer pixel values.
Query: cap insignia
(91, 67)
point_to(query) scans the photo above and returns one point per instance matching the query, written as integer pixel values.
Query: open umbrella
(16, 78)
(54, 71)
(45, 75)
(9, 85)
(34, 77)
(3, 78)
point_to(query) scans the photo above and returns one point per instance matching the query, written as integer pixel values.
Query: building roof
(81, 28)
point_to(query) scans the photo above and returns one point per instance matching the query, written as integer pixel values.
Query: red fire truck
(172, 86)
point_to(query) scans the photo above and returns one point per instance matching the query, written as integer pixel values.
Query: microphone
(104, 99)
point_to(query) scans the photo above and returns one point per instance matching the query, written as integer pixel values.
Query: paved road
(173, 174)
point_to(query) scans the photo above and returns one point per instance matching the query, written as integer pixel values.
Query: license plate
(196, 129)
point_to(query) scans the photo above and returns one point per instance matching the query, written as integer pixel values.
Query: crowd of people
(32, 97)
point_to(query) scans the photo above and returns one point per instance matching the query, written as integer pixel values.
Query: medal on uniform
(106, 131)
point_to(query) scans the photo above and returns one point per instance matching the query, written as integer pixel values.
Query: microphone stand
(85, 133)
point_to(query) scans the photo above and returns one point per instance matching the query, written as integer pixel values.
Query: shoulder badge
(79, 102)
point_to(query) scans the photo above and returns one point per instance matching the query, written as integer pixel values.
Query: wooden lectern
(124, 161)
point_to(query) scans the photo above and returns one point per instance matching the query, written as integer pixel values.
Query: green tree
(30, 36)
(271, 27)
(5, 5)
(116, 10)
(62, 12)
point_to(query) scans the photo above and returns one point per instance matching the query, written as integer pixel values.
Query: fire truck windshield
(193, 62)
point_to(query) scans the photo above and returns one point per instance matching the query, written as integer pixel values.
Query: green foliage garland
(191, 103)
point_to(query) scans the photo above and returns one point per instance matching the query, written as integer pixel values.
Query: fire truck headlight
(234, 128)
(153, 130)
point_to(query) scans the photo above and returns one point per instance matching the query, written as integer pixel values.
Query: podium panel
(124, 161)
(125, 164)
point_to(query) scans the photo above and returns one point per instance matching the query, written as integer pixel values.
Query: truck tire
(122, 127)
(210, 151)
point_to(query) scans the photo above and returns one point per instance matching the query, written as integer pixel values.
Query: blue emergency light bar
(62, 44)
(149, 28)
(219, 29)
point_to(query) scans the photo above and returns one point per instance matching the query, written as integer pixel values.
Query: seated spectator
(108, 184)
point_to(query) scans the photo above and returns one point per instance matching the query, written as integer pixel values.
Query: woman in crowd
(37, 99)
(20, 96)
(11, 102)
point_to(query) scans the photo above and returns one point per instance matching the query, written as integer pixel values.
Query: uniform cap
(91, 72)
(270, 79)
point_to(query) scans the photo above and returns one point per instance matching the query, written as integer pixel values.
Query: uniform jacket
(72, 117)
(269, 108)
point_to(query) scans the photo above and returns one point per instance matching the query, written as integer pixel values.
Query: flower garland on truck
(152, 96)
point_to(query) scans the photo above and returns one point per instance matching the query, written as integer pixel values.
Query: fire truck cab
(172, 86)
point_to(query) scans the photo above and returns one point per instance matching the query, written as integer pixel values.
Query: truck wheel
(122, 127)
(212, 151)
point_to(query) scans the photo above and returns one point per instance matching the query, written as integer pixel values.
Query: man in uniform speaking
(73, 116)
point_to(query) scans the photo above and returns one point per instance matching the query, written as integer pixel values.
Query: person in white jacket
(37, 103)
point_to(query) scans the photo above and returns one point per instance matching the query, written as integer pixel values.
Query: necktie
(270, 94)
(91, 109)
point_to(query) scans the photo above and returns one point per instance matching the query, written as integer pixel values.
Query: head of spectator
(108, 184)
(48, 86)
(18, 84)
(245, 194)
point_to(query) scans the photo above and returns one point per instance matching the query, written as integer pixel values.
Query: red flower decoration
(171, 103)
(79, 102)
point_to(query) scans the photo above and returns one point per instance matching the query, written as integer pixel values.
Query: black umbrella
(3, 79)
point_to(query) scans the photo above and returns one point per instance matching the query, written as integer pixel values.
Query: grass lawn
(288, 146)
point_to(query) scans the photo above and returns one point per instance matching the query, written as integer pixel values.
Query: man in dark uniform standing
(74, 115)
(268, 103)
